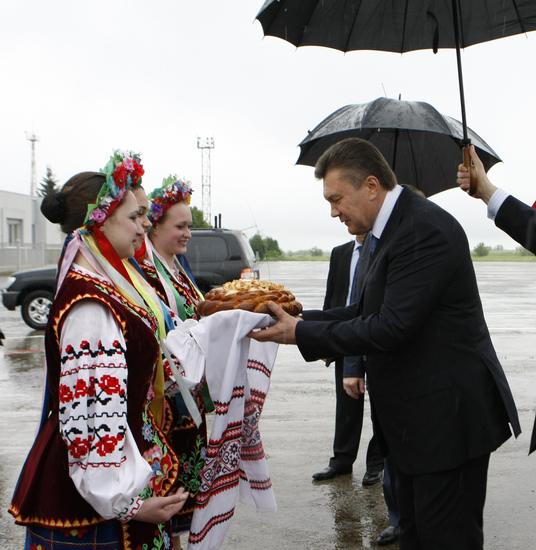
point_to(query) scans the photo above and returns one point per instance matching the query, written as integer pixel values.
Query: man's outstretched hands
(283, 332)
(484, 187)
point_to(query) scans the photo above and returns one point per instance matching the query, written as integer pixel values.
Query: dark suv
(33, 290)
(215, 256)
(220, 255)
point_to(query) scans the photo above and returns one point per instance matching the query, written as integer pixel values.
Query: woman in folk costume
(101, 473)
(237, 372)
(171, 220)
(143, 202)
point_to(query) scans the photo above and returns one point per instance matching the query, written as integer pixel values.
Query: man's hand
(283, 332)
(484, 187)
(161, 509)
(354, 387)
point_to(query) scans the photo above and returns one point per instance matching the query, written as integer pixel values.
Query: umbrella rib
(352, 29)
(397, 132)
(519, 18)
(404, 26)
(414, 161)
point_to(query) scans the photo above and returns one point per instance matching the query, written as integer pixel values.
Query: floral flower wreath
(173, 190)
(123, 170)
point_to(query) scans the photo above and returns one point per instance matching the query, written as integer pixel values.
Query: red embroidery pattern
(79, 447)
(234, 455)
(258, 366)
(161, 466)
(252, 448)
(93, 387)
(198, 537)
(107, 444)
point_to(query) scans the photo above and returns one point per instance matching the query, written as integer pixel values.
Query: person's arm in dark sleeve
(518, 220)
(421, 267)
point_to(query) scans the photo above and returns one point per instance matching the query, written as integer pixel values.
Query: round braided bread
(250, 295)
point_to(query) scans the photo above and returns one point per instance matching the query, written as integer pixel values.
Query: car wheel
(35, 308)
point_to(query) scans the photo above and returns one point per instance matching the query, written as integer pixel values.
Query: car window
(246, 247)
(208, 248)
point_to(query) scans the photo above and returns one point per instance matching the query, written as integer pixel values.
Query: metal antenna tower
(33, 138)
(205, 144)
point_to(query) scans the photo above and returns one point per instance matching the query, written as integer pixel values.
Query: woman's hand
(161, 509)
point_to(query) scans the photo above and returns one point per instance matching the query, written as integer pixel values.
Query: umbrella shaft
(466, 139)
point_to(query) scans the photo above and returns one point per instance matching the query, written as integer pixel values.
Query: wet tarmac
(297, 429)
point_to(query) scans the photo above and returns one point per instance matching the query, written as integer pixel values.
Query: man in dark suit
(440, 400)
(509, 214)
(348, 410)
(350, 386)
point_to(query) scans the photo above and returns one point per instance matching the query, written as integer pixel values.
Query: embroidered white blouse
(112, 473)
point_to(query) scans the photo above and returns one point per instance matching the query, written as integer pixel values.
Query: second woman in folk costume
(233, 461)
(170, 215)
(171, 218)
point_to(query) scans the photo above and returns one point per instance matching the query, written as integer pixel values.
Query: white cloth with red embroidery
(238, 373)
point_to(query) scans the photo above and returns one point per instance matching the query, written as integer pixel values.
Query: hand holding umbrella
(473, 178)
(475, 181)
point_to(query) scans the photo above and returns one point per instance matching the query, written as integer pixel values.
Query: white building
(27, 238)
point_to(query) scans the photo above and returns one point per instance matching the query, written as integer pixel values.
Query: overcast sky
(89, 77)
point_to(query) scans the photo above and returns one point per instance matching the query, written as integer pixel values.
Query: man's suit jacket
(438, 392)
(339, 276)
(337, 287)
(519, 221)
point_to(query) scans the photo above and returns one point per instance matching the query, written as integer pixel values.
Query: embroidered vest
(45, 494)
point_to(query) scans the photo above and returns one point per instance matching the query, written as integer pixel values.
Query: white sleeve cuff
(495, 203)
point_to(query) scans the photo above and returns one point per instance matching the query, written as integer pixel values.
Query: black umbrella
(421, 145)
(398, 26)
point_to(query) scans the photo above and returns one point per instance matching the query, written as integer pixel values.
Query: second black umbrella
(422, 146)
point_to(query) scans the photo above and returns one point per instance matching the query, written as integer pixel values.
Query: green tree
(523, 251)
(49, 184)
(257, 244)
(272, 248)
(315, 251)
(197, 219)
(265, 248)
(481, 250)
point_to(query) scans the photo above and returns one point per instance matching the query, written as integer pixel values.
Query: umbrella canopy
(399, 26)
(395, 26)
(421, 145)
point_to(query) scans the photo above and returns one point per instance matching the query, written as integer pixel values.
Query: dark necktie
(354, 292)
(373, 243)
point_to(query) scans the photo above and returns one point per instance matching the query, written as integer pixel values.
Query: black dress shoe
(371, 478)
(389, 535)
(330, 472)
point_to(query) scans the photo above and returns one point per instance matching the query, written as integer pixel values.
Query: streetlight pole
(32, 138)
(205, 144)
